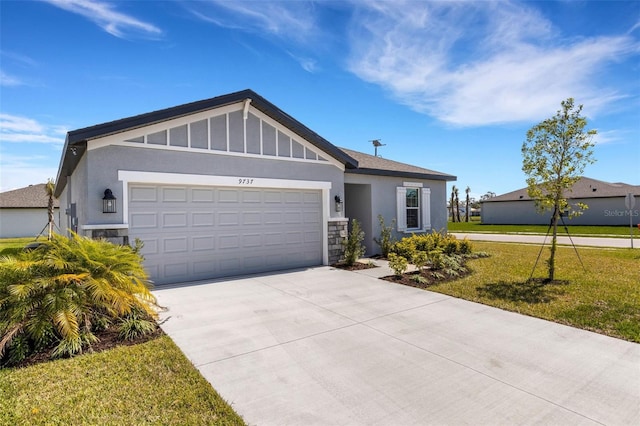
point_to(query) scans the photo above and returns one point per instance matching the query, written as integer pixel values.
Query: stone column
(337, 234)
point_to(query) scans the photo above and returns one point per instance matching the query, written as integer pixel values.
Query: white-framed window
(413, 208)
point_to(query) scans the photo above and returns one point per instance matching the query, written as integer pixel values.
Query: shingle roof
(33, 196)
(76, 140)
(584, 188)
(372, 165)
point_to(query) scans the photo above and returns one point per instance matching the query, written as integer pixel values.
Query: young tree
(554, 157)
(457, 202)
(466, 210)
(49, 188)
(452, 203)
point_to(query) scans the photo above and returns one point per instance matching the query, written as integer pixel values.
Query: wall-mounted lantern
(338, 201)
(109, 202)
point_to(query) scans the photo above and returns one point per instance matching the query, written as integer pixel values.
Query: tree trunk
(453, 214)
(552, 258)
(458, 208)
(466, 211)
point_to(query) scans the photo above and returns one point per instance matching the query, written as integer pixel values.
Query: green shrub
(420, 259)
(406, 247)
(134, 325)
(436, 259)
(353, 248)
(386, 240)
(398, 263)
(465, 247)
(59, 294)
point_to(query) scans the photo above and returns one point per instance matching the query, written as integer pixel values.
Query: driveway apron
(323, 346)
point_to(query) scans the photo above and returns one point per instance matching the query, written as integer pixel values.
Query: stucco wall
(383, 201)
(601, 211)
(17, 223)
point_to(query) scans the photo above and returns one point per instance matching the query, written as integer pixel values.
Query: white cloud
(19, 129)
(9, 80)
(20, 171)
(478, 63)
(105, 16)
(293, 19)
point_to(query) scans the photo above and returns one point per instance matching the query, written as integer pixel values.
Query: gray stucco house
(23, 211)
(233, 185)
(606, 203)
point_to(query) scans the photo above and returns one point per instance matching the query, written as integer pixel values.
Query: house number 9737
(243, 181)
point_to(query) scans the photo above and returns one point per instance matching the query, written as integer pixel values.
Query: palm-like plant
(58, 292)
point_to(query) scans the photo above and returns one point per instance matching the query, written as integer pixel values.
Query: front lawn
(605, 298)
(150, 383)
(574, 230)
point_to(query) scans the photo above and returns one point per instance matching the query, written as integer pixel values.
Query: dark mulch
(108, 339)
(429, 278)
(355, 267)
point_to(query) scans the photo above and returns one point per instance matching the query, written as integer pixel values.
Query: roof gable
(30, 197)
(77, 140)
(372, 165)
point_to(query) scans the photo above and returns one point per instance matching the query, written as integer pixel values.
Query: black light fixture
(338, 201)
(109, 202)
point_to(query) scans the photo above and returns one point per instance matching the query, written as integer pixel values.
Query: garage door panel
(251, 218)
(252, 240)
(174, 195)
(174, 219)
(143, 194)
(228, 196)
(147, 220)
(293, 218)
(200, 195)
(203, 219)
(272, 218)
(218, 232)
(203, 243)
(175, 245)
(228, 218)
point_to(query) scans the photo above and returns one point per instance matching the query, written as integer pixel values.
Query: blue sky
(449, 86)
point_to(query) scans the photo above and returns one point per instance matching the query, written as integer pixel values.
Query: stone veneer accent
(337, 234)
(114, 235)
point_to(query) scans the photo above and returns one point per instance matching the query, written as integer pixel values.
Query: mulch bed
(108, 339)
(355, 267)
(429, 278)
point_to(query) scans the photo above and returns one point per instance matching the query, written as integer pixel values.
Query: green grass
(576, 230)
(10, 246)
(150, 383)
(605, 298)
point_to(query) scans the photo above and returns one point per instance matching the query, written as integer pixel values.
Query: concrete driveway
(331, 347)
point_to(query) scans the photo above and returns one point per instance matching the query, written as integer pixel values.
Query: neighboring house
(606, 203)
(23, 212)
(233, 185)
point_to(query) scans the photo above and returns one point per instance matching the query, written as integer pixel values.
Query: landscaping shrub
(386, 240)
(442, 253)
(398, 263)
(353, 248)
(59, 294)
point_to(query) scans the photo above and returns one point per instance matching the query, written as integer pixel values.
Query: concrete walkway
(329, 347)
(562, 239)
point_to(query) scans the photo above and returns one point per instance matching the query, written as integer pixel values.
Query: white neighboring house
(23, 212)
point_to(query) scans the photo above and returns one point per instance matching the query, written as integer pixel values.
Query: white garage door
(196, 232)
